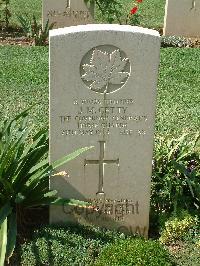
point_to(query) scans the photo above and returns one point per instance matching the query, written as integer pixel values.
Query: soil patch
(14, 36)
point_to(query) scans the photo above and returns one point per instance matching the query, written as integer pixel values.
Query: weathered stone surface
(182, 18)
(66, 13)
(102, 94)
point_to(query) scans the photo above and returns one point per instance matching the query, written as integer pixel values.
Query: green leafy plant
(175, 178)
(5, 12)
(187, 255)
(191, 175)
(33, 30)
(111, 10)
(3, 241)
(182, 234)
(114, 11)
(66, 245)
(26, 25)
(134, 252)
(133, 18)
(24, 174)
(177, 228)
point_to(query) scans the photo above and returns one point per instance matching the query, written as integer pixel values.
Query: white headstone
(102, 94)
(182, 18)
(64, 13)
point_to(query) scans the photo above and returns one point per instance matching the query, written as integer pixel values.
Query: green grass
(178, 105)
(152, 11)
(23, 7)
(24, 81)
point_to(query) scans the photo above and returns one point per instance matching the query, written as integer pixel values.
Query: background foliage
(152, 11)
(81, 245)
(134, 252)
(176, 174)
(72, 245)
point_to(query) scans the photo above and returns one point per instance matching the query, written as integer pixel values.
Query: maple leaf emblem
(105, 69)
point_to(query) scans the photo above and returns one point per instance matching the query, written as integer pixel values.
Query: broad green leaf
(31, 159)
(10, 158)
(8, 123)
(40, 137)
(59, 202)
(41, 185)
(12, 234)
(3, 241)
(180, 167)
(36, 178)
(179, 142)
(33, 151)
(69, 157)
(51, 193)
(73, 202)
(4, 212)
(39, 165)
(6, 187)
(41, 202)
(190, 186)
(40, 195)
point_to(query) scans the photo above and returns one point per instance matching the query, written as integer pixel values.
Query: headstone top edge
(103, 27)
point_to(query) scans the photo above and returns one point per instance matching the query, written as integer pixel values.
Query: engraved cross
(68, 4)
(193, 4)
(101, 162)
